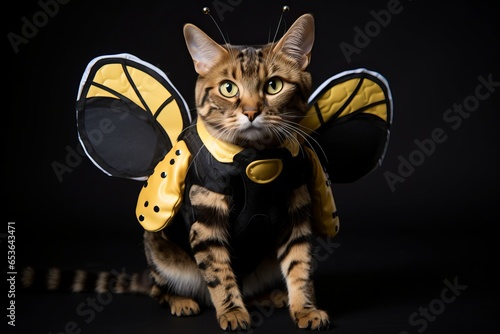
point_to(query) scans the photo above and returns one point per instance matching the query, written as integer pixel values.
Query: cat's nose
(251, 114)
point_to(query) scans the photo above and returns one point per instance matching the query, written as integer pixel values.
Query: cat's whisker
(288, 135)
(307, 138)
(305, 129)
(291, 135)
(280, 134)
(298, 124)
(226, 134)
(193, 160)
(304, 134)
(187, 127)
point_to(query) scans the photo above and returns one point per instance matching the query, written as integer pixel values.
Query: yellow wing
(349, 118)
(128, 115)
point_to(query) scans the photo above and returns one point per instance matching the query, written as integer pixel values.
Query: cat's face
(253, 96)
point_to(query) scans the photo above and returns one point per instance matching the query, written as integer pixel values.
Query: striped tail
(56, 279)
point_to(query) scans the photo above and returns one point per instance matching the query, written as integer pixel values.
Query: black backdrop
(417, 244)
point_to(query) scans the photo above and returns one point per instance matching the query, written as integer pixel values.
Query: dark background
(397, 247)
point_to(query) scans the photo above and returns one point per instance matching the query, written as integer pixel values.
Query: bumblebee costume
(256, 177)
(133, 123)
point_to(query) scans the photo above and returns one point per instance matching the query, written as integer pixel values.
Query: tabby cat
(244, 227)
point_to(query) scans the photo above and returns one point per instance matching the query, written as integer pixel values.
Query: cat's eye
(228, 89)
(273, 86)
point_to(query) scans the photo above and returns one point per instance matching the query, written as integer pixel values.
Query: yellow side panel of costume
(161, 197)
(325, 217)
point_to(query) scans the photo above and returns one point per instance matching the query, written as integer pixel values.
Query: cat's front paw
(312, 319)
(183, 307)
(235, 320)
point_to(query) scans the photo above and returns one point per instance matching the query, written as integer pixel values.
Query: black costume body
(259, 212)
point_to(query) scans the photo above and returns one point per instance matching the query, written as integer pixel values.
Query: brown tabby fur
(252, 118)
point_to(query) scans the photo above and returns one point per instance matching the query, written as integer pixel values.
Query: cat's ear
(204, 50)
(298, 40)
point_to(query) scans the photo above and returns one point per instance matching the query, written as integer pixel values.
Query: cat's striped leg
(175, 275)
(209, 241)
(296, 260)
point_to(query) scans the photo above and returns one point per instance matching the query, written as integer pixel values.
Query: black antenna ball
(206, 10)
(286, 9)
